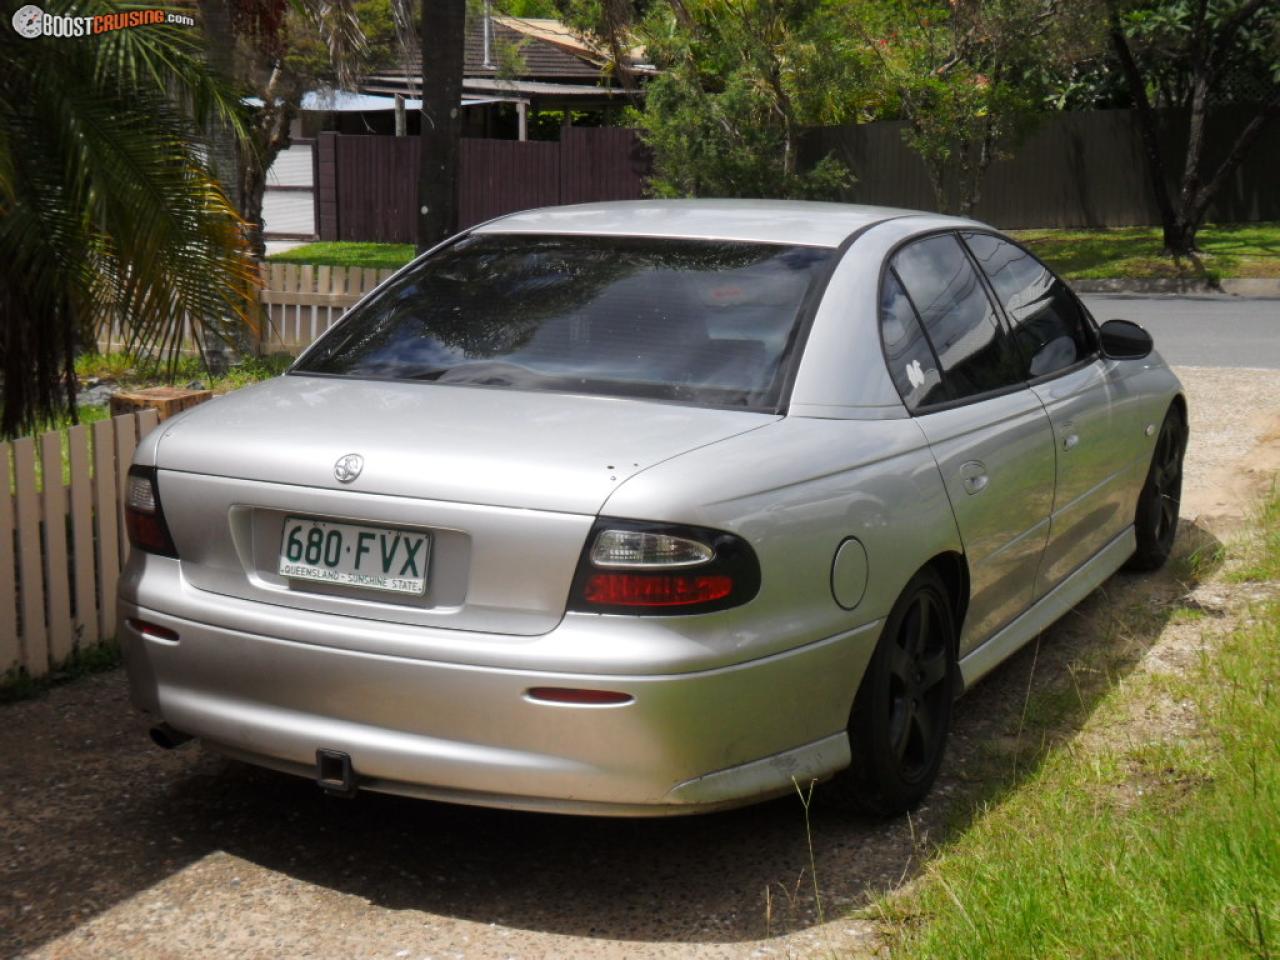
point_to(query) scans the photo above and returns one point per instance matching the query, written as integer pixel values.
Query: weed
(1106, 849)
(17, 684)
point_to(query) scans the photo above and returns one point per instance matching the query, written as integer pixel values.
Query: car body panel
(452, 443)
(409, 721)
(997, 461)
(842, 372)
(764, 221)
(1104, 418)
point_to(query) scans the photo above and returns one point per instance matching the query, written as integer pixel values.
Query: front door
(1057, 345)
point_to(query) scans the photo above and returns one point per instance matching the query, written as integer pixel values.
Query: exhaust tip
(163, 735)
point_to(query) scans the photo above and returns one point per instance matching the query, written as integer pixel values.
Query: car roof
(767, 221)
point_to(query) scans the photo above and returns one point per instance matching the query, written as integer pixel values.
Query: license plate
(376, 558)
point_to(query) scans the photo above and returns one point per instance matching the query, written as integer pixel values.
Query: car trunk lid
(504, 486)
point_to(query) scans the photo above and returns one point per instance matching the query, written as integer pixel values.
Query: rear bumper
(687, 742)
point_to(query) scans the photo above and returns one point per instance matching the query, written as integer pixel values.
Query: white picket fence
(67, 542)
(303, 301)
(299, 302)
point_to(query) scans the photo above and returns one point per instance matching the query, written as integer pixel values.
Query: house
(554, 71)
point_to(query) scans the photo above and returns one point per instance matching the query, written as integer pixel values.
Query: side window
(911, 363)
(1048, 324)
(958, 316)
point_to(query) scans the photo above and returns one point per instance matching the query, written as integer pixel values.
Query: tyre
(1156, 521)
(902, 712)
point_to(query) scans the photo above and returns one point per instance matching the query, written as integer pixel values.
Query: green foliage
(1164, 849)
(544, 9)
(134, 371)
(1159, 32)
(310, 60)
(107, 210)
(1227, 250)
(739, 79)
(968, 77)
(346, 254)
(16, 684)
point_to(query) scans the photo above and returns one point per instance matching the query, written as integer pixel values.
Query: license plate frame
(367, 553)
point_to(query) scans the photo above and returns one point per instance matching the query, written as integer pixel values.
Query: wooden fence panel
(35, 641)
(58, 576)
(366, 187)
(126, 443)
(86, 607)
(10, 652)
(501, 176)
(602, 163)
(1080, 169)
(57, 584)
(108, 546)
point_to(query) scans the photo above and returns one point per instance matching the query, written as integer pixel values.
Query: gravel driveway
(110, 847)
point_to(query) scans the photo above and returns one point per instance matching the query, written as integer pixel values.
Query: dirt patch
(112, 848)
(1234, 454)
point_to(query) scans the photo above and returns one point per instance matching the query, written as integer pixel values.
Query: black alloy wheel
(902, 713)
(1156, 521)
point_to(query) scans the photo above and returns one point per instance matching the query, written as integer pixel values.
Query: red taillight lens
(656, 589)
(573, 695)
(153, 630)
(143, 515)
(641, 568)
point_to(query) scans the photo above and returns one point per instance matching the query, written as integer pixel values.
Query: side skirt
(1048, 608)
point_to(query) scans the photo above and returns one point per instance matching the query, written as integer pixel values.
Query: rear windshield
(699, 321)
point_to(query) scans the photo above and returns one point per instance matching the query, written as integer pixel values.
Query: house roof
(549, 52)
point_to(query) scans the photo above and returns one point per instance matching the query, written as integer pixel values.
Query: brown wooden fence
(366, 186)
(1076, 170)
(66, 541)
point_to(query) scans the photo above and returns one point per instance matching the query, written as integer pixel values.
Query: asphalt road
(1201, 331)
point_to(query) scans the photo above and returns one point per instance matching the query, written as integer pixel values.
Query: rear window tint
(708, 322)
(958, 316)
(1049, 327)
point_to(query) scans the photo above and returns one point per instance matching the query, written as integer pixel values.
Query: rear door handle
(1070, 441)
(973, 475)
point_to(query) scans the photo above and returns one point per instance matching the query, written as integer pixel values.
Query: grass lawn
(130, 371)
(1228, 251)
(1129, 847)
(332, 254)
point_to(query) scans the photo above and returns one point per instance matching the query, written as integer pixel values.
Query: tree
(1203, 38)
(108, 213)
(442, 38)
(968, 77)
(274, 51)
(739, 80)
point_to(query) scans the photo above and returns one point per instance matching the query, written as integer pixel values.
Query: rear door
(1058, 349)
(960, 375)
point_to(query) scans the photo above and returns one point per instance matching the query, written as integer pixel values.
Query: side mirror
(1123, 340)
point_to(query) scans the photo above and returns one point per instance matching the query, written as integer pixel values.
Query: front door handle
(973, 475)
(1070, 441)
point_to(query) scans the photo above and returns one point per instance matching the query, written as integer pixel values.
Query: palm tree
(108, 213)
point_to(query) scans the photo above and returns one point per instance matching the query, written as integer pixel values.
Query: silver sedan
(648, 508)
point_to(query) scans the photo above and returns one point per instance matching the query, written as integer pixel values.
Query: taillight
(143, 515)
(648, 569)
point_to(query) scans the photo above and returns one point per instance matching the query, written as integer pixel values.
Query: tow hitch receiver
(334, 773)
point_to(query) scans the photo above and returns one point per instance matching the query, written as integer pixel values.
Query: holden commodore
(648, 508)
